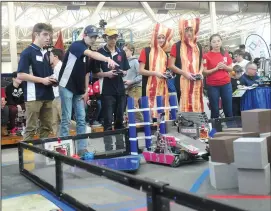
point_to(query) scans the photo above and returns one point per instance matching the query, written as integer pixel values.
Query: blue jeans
(225, 92)
(69, 101)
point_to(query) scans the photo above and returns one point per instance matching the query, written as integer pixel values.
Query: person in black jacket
(15, 100)
(235, 82)
(250, 76)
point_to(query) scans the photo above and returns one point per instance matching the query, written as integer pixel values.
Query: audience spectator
(133, 80)
(4, 117)
(239, 58)
(56, 57)
(35, 71)
(235, 82)
(247, 55)
(206, 49)
(250, 76)
(94, 105)
(15, 100)
(217, 65)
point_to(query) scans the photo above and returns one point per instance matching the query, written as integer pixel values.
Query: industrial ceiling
(136, 19)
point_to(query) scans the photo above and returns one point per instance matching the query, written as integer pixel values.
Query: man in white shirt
(56, 57)
(239, 58)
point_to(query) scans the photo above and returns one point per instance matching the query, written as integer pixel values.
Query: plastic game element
(198, 77)
(88, 156)
(76, 156)
(169, 74)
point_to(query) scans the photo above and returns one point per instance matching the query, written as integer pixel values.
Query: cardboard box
(221, 149)
(232, 130)
(240, 134)
(257, 120)
(97, 129)
(268, 140)
(223, 175)
(250, 153)
(256, 182)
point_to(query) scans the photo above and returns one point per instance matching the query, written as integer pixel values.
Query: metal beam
(91, 18)
(149, 12)
(12, 37)
(24, 10)
(213, 17)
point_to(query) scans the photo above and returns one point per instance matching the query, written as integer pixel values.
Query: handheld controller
(198, 77)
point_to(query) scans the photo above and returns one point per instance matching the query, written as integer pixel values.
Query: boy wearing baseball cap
(113, 90)
(73, 83)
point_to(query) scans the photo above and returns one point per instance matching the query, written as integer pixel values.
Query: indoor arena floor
(105, 195)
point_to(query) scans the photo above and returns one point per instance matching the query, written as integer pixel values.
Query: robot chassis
(169, 150)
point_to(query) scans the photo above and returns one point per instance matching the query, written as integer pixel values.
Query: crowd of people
(86, 86)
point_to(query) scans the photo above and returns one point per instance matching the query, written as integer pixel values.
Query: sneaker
(13, 131)
(96, 124)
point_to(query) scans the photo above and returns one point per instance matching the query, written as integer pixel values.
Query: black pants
(236, 106)
(113, 106)
(236, 109)
(4, 116)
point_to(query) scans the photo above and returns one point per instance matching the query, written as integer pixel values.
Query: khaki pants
(56, 115)
(136, 93)
(38, 110)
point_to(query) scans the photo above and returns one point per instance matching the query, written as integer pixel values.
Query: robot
(171, 151)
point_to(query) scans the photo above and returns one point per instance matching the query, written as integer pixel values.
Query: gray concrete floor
(105, 193)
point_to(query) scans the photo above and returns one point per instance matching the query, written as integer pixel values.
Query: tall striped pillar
(132, 127)
(147, 126)
(160, 109)
(174, 107)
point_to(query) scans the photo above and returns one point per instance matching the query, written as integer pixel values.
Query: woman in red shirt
(153, 66)
(217, 65)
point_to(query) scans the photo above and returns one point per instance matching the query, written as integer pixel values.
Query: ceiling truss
(137, 22)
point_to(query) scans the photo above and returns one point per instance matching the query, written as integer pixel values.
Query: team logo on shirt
(225, 59)
(238, 82)
(119, 58)
(17, 92)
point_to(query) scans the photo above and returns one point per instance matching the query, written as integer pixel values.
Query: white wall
(6, 67)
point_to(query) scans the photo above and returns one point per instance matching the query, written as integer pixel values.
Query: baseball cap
(111, 31)
(237, 68)
(91, 30)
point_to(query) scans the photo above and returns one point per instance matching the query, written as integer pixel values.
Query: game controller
(198, 77)
(169, 74)
(54, 80)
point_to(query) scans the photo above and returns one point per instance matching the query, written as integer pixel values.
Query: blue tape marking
(138, 199)
(58, 203)
(195, 187)
(199, 181)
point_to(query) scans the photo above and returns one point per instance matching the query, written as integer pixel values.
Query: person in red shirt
(217, 66)
(153, 66)
(185, 60)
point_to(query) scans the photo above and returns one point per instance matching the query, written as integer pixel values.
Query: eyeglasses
(252, 68)
(114, 37)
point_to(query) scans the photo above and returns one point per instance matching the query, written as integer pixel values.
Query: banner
(257, 46)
